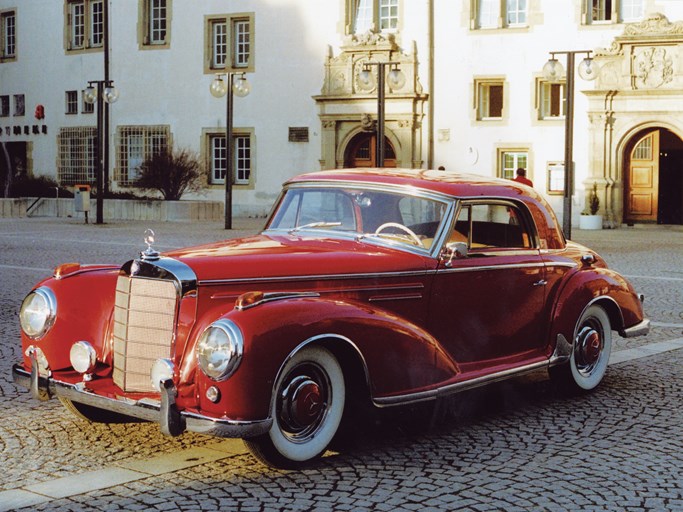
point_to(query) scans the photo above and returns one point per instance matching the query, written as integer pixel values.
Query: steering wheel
(407, 230)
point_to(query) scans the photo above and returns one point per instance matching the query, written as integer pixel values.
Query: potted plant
(592, 220)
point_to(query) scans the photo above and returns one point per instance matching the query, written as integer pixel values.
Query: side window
(496, 225)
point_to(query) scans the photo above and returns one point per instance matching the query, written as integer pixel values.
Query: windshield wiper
(319, 224)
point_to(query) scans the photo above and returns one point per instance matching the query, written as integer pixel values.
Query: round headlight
(219, 350)
(38, 312)
(83, 357)
(162, 370)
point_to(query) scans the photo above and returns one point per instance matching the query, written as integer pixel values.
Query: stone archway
(637, 106)
(361, 151)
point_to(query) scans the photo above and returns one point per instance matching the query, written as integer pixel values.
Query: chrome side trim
(146, 409)
(327, 277)
(640, 329)
(273, 296)
(489, 267)
(458, 387)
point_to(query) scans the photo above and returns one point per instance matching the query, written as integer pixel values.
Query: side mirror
(457, 250)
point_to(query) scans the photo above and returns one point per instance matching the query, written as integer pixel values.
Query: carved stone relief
(652, 67)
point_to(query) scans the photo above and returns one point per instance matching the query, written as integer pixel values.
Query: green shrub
(40, 186)
(172, 172)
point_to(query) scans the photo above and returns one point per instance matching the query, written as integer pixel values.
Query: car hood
(264, 256)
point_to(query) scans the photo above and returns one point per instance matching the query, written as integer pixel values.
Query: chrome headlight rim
(48, 296)
(235, 344)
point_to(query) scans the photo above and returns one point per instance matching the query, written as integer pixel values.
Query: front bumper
(640, 329)
(164, 412)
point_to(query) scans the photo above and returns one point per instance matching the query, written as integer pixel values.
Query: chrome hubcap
(302, 402)
(588, 348)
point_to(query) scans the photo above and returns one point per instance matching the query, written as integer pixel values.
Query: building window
(242, 160)
(499, 13)
(552, 97)
(76, 155)
(631, 10)
(84, 24)
(510, 161)
(4, 105)
(229, 43)
(381, 15)
(72, 102)
(601, 10)
(19, 105)
(8, 35)
(155, 22)
(489, 99)
(135, 144)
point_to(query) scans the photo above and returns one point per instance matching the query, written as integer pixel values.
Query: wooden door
(642, 180)
(362, 152)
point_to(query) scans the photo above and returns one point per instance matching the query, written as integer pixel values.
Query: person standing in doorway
(521, 177)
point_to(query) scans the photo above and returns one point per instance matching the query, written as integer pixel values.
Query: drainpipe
(105, 22)
(430, 77)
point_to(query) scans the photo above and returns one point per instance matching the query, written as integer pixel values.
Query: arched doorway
(653, 178)
(362, 150)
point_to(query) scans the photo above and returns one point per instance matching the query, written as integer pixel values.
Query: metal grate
(144, 321)
(76, 158)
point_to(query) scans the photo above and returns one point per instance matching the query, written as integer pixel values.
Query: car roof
(460, 185)
(445, 182)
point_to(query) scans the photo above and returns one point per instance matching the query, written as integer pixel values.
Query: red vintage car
(387, 287)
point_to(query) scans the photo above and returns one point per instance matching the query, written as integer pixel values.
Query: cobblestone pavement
(519, 445)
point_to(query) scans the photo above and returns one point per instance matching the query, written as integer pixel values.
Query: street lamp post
(101, 91)
(219, 89)
(396, 80)
(553, 71)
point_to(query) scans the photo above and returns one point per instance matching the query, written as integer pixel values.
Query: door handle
(542, 282)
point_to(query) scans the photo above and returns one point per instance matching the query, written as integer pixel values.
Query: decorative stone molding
(347, 106)
(654, 25)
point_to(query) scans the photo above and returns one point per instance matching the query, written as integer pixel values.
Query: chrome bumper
(640, 329)
(171, 421)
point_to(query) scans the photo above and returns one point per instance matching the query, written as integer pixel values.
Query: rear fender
(390, 353)
(600, 286)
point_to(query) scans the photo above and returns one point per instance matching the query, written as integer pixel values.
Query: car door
(487, 305)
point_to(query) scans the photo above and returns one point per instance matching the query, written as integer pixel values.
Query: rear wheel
(590, 354)
(306, 410)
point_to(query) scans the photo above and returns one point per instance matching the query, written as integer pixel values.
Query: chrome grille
(144, 322)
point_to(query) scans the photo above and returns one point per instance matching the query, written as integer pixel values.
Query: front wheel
(306, 410)
(590, 354)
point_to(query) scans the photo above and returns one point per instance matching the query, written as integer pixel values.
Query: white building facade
(473, 99)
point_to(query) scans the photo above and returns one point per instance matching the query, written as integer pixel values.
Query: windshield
(393, 217)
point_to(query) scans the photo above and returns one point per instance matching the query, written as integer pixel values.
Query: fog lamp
(213, 394)
(83, 357)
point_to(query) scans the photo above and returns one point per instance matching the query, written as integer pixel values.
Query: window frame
(613, 12)
(19, 103)
(522, 218)
(8, 50)
(71, 102)
(5, 105)
(498, 14)
(76, 161)
(482, 99)
(238, 135)
(91, 30)
(501, 167)
(375, 17)
(151, 138)
(147, 10)
(544, 105)
(232, 43)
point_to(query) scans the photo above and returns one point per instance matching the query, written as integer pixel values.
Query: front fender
(398, 356)
(595, 285)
